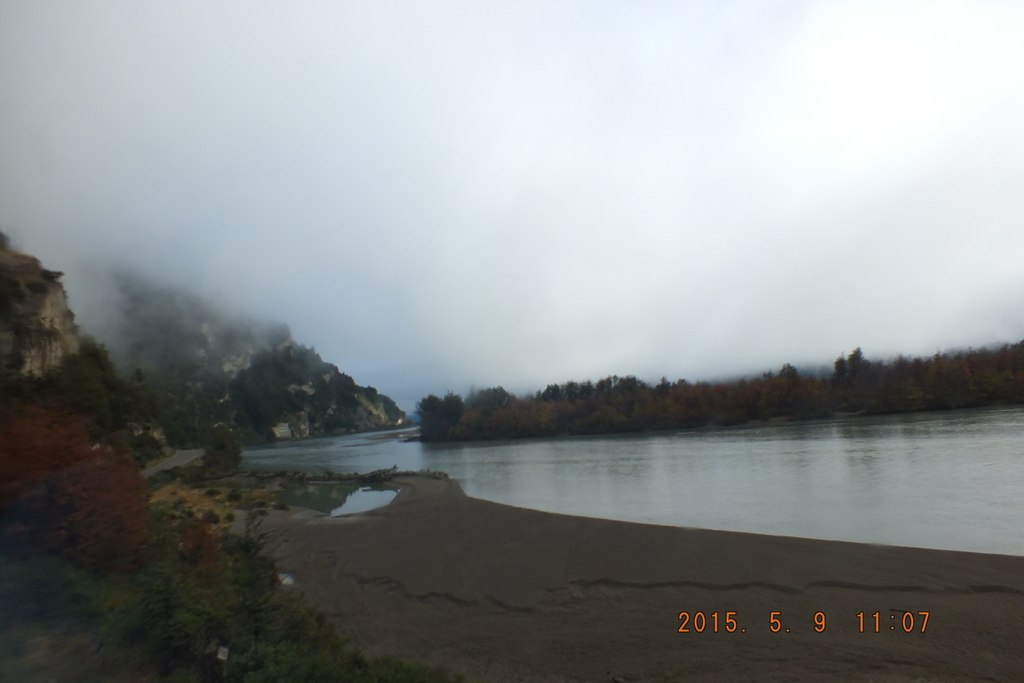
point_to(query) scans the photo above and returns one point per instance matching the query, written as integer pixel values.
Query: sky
(444, 195)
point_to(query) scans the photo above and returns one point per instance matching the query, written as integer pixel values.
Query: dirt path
(178, 459)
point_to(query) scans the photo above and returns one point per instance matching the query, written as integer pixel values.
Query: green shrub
(197, 591)
(224, 452)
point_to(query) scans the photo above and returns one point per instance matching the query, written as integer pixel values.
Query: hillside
(209, 367)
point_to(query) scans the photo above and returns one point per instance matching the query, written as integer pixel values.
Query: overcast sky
(439, 195)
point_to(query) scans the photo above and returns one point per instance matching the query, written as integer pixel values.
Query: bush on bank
(198, 590)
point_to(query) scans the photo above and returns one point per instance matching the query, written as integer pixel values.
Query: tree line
(977, 377)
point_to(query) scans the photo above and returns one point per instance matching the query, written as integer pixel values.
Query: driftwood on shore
(375, 477)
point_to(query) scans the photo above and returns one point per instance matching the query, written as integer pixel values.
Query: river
(951, 480)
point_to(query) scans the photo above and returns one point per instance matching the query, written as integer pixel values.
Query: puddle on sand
(336, 499)
(363, 500)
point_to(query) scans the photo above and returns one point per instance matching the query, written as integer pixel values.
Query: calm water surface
(950, 480)
(336, 499)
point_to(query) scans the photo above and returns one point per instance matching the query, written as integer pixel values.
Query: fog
(439, 195)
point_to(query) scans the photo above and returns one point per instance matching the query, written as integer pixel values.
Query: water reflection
(336, 499)
(321, 497)
(944, 480)
(363, 500)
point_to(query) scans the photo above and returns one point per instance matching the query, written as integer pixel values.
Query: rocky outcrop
(37, 329)
(296, 427)
(369, 415)
(232, 365)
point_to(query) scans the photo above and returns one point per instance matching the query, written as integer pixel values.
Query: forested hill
(209, 367)
(206, 368)
(625, 404)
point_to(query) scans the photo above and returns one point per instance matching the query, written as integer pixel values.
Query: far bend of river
(952, 480)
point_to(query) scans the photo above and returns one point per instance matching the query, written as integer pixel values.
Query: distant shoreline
(373, 435)
(750, 424)
(976, 378)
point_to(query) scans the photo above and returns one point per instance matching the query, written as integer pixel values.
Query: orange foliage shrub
(35, 444)
(61, 494)
(99, 513)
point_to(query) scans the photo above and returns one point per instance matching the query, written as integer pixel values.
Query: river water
(952, 480)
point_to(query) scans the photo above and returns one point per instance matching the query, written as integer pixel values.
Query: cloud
(436, 195)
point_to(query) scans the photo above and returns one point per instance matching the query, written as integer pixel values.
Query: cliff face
(37, 329)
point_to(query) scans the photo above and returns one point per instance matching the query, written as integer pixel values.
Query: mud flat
(500, 593)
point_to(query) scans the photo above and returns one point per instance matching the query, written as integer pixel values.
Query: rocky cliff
(37, 329)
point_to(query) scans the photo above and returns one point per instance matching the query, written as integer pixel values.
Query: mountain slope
(211, 368)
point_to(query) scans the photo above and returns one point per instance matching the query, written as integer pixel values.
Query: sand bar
(507, 594)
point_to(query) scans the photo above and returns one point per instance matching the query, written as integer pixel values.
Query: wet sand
(500, 593)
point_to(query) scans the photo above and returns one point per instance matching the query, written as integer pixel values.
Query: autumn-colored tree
(61, 494)
(100, 513)
(37, 443)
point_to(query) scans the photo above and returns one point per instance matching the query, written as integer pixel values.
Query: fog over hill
(162, 327)
(210, 367)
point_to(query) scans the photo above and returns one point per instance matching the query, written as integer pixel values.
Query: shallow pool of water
(363, 500)
(336, 499)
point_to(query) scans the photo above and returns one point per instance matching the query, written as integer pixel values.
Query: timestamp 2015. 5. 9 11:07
(903, 621)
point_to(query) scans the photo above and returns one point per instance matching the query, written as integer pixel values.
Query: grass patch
(215, 505)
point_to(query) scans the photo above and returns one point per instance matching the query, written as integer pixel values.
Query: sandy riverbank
(507, 594)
